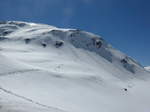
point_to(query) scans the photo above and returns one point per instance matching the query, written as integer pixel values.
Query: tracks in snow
(19, 72)
(22, 97)
(30, 100)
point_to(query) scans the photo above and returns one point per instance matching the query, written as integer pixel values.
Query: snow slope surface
(147, 68)
(49, 69)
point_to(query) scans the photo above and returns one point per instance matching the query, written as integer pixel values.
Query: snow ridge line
(18, 72)
(30, 100)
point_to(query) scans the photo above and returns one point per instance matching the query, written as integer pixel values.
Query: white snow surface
(49, 69)
(147, 68)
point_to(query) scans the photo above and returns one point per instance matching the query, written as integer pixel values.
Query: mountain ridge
(78, 38)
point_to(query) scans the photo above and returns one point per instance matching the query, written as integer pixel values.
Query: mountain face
(49, 69)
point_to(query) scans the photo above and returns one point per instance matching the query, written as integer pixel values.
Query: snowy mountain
(49, 69)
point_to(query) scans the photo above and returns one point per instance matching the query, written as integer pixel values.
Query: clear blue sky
(123, 23)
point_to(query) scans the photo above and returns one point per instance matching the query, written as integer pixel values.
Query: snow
(83, 74)
(147, 68)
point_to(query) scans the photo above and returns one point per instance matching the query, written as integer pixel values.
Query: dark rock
(59, 44)
(127, 65)
(5, 33)
(97, 42)
(27, 40)
(125, 89)
(44, 45)
(124, 61)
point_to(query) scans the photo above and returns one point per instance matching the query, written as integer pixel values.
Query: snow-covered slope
(147, 68)
(49, 69)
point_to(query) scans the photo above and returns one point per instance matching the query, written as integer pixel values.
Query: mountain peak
(46, 35)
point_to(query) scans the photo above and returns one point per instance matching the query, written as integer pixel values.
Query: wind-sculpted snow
(49, 69)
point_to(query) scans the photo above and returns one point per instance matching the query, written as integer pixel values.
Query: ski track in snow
(18, 72)
(30, 100)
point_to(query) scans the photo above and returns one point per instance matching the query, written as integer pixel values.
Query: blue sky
(123, 23)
